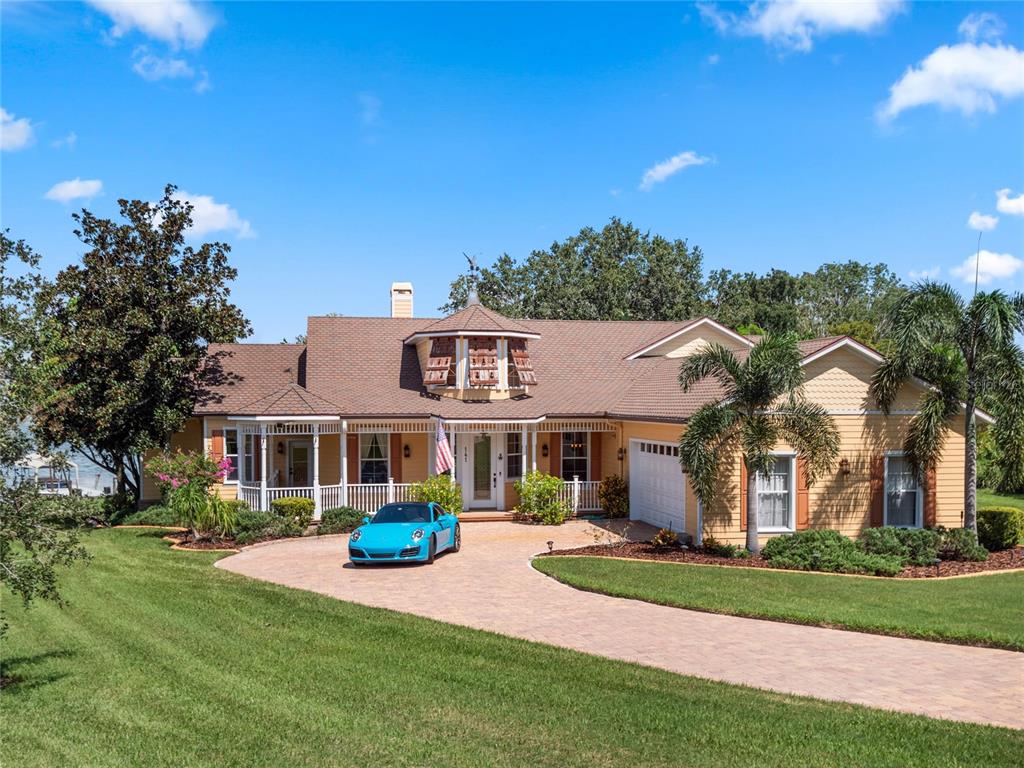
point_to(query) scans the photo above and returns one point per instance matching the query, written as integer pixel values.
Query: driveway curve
(491, 585)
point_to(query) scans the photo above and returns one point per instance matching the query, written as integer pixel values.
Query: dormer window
(483, 361)
(441, 364)
(521, 367)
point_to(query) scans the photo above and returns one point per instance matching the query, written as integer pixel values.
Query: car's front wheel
(457, 539)
(431, 549)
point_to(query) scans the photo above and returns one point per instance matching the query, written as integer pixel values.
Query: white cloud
(925, 274)
(1014, 206)
(175, 22)
(666, 168)
(967, 76)
(981, 26)
(74, 189)
(369, 109)
(67, 141)
(993, 266)
(151, 67)
(203, 84)
(796, 23)
(15, 133)
(713, 59)
(981, 222)
(210, 216)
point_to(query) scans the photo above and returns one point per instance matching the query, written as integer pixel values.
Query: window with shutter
(441, 365)
(483, 361)
(521, 373)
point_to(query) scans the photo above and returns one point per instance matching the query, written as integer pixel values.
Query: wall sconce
(544, 450)
(280, 447)
(844, 467)
(406, 451)
(621, 454)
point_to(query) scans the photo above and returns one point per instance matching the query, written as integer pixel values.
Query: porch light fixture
(621, 454)
(406, 451)
(544, 450)
(280, 447)
(844, 467)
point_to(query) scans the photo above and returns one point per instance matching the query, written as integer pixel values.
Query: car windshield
(403, 513)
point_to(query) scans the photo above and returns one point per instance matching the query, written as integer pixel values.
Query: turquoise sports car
(414, 531)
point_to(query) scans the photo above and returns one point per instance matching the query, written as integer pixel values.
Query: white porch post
(317, 501)
(522, 449)
(343, 436)
(432, 450)
(533, 452)
(263, 467)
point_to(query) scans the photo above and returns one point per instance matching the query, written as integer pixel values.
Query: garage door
(657, 487)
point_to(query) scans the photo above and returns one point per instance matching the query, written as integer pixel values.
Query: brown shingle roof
(475, 318)
(291, 400)
(244, 373)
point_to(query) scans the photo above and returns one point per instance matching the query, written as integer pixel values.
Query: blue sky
(339, 147)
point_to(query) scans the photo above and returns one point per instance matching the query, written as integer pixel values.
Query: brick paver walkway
(490, 585)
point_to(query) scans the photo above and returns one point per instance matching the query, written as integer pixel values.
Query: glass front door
(483, 480)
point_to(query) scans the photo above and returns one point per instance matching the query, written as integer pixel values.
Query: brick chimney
(401, 299)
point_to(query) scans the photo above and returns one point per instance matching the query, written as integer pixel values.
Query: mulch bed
(185, 541)
(643, 550)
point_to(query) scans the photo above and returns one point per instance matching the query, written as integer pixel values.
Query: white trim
(697, 324)
(239, 448)
(359, 454)
(463, 332)
(206, 437)
(791, 528)
(285, 419)
(919, 494)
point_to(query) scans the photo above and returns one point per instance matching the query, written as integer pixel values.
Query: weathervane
(474, 278)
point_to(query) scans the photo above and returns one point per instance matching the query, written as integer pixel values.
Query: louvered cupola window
(483, 361)
(441, 365)
(521, 369)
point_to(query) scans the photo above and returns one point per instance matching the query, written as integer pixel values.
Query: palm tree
(761, 405)
(965, 351)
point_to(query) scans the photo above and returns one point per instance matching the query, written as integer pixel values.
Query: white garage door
(657, 486)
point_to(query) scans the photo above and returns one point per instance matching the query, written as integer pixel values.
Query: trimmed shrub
(340, 520)
(712, 546)
(538, 499)
(252, 525)
(295, 511)
(824, 550)
(916, 546)
(440, 489)
(1000, 528)
(158, 514)
(666, 537)
(883, 541)
(613, 493)
(960, 544)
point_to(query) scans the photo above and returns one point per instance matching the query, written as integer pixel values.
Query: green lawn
(160, 659)
(980, 610)
(993, 499)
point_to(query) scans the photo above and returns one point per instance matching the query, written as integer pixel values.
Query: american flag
(444, 460)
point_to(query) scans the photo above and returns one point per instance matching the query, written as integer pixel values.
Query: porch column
(263, 467)
(522, 450)
(432, 450)
(343, 436)
(533, 451)
(317, 504)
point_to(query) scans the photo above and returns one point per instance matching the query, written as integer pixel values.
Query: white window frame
(791, 528)
(247, 470)
(386, 445)
(562, 457)
(233, 456)
(521, 453)
(919, 503)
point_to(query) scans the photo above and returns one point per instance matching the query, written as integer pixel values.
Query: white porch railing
(366, 497)
(369, 497)
(580, 495)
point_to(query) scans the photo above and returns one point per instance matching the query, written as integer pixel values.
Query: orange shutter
(877, 491)
(930, 508)
(483, 361)
(439, 364)
(595, 456)
(803, 497)
(217, 444)
(555, 454)
(353, 459)
(521, 363)
(743, 494)
(396, 456)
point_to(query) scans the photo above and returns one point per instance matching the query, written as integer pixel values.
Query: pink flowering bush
(186, 480)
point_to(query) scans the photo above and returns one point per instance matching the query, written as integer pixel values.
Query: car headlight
(355, 536)
(417, 534)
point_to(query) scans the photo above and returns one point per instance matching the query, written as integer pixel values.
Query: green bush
(960, 544)
(115, 508)
(295, 511)
(252, 525)
(613, 493)
(1000, 528)
(538, 499)
(916, 546)
(712, 546)
(158, 514)
(340, 520)
(824, 550)
(440, 489)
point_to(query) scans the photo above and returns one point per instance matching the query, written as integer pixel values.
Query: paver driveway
(490, 585)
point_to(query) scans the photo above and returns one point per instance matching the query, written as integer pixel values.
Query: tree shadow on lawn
(17, 673)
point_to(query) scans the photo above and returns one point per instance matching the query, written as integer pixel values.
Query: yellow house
(351, 418)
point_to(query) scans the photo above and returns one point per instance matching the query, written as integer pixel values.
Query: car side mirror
(366, 520)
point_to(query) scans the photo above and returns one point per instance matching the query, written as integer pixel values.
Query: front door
(483, 479)
(300, 464)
